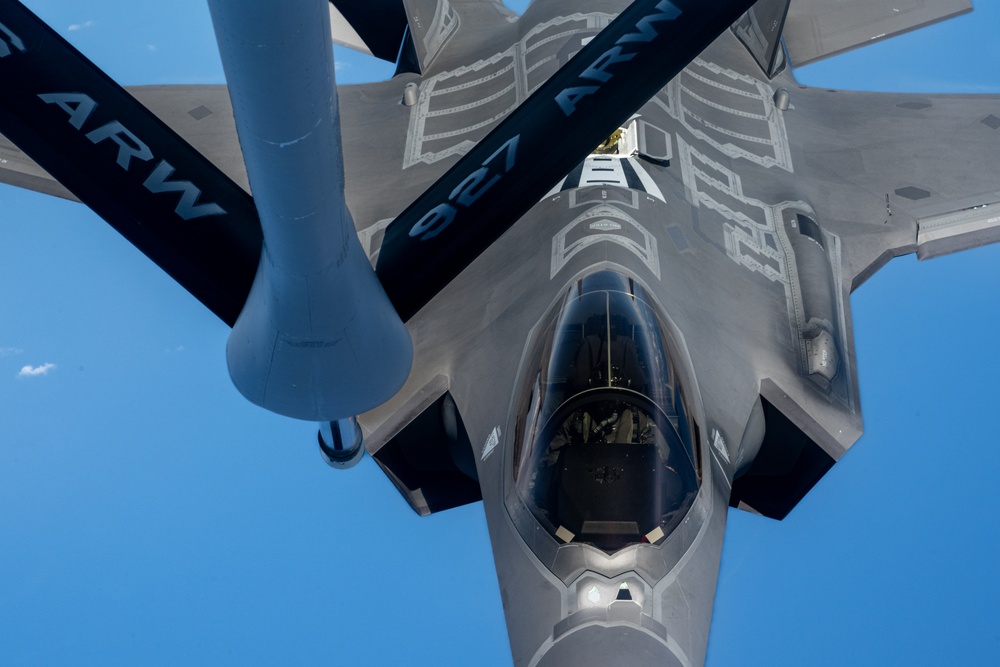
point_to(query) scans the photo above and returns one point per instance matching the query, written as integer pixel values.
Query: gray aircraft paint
(743, 168)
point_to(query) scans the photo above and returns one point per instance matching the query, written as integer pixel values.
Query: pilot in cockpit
(603, 460)
(607, 422)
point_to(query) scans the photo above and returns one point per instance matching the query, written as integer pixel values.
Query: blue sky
(149, 514)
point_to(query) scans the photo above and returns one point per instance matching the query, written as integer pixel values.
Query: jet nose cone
(600, 645)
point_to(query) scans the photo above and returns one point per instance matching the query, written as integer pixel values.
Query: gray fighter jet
(613, 246)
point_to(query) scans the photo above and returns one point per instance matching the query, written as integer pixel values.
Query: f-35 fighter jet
(590, 265)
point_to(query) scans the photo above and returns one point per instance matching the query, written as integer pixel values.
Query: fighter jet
(626, 296)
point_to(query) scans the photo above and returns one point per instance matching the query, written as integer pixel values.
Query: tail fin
(760, 30)
(431, 24)
(411, 33)
(373, 26)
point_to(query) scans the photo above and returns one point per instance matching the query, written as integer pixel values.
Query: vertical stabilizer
(375, 27)
(431, 24)
(760, 31)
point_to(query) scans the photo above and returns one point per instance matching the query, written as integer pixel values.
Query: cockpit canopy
(604, 452)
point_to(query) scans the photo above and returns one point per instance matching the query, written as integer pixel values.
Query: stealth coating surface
(577, 108)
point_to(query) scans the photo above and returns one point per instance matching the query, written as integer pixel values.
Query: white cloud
(339, 66)
(81, 26)
(151, 47)
(10, 351)
(32, 371)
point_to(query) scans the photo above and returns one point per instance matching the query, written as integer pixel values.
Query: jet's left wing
(900, 172)
(884, 175)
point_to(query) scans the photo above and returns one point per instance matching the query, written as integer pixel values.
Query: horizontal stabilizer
(817, 29)
(375, 27)
(119, 159)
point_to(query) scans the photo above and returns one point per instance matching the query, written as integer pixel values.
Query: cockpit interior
(604, 452)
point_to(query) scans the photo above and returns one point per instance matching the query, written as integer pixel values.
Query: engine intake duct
(428, 455)
(788, 464)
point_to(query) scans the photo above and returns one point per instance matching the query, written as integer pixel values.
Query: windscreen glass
(604, 452)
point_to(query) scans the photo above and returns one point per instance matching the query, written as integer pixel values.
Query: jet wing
(92, 136)
(885, 174)
(817, 29)
(202, 115)
(900, 172)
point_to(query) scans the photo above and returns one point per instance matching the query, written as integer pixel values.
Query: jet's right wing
(165, 197)
(201, 114)
(818, 29)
